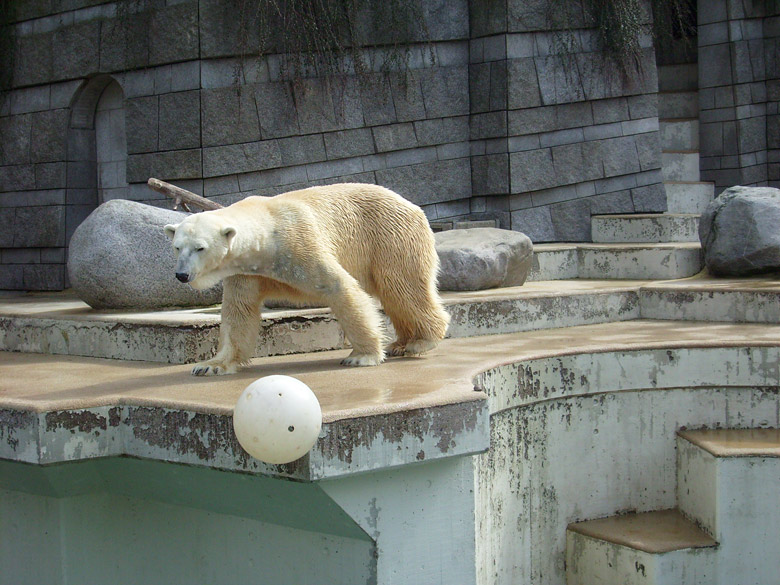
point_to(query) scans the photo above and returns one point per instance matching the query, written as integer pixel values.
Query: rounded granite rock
(120, 258)
(481, 258)
(739, 234)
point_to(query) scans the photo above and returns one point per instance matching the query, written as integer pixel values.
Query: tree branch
(182, 196)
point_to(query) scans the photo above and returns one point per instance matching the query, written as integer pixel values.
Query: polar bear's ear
(170, 229)
(228, 233)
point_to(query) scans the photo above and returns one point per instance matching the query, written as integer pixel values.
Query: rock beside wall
(480, 258)
(120, 258)
(739, 232)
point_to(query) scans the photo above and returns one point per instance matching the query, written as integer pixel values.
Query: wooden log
(182, 196)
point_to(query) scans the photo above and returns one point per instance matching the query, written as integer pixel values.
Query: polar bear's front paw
(214, 368)
(363, 359)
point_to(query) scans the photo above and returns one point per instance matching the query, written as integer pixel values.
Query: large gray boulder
(120, 258)
(480, 258)
(740, 232)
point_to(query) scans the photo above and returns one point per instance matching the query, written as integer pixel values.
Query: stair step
(663, 261)
(688, 196)
(683, 77)
(645, 548)
(678, 104)
(554, 262)
(680, 165)
(679, 134)
(709, 299)
(645, 227)
(736, 442)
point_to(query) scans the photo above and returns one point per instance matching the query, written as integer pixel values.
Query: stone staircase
(725, 529)
(626, 246)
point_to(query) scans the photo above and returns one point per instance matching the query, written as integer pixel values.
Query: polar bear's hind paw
(362, 359)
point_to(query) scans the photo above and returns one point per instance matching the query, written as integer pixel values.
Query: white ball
(277, 419)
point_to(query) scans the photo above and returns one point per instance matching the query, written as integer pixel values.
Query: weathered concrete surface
(481, 258)
(645, 227)
(119, 258)
(661, 261)
(738, 232)
(59, 324)
(608, 421)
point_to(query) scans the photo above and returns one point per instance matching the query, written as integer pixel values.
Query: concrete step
(679, 134)
(729, 485)
(702, 298)
(680, 165)
(664, 261)
(645, 227)
(683, 77)
(688, 196)
(632, 549)
(678, 104)
(69, 327)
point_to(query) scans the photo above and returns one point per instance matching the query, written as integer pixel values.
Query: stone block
(50, 175)
(43, 277)
(181, 18)
(298, 150)
(276, 109)
(376, 96)
(532, 170)
(559, 80)
(531, 121)
(751, 134)
(619, 156)
(82, 174)
(407, 95)
(649, 198)
(715, 66)
(610, 110)
(349, 143)
(489, 125)
(15, 142)
(179, 120)
(445, 91)
(429, 183)
(643, 106)
(535, 222)
(17, 178)
(482, 258)
(327, 104)
(124, 42)
(442, 131)
(612, 203)
(39, 227)
(648, 148)
(229, 115)
(490, 174)
(522, 85)
(394, 137)
(31, 99)
(141, 124)
(33, 58)
(571, 220)
(574, 163)
(11, 277)
(498, 86)
(487, 17)
(140, 278)
(479, 87)
(76, 50)
(49, 132)
(176, 164)
(241, 158)
(561, 137)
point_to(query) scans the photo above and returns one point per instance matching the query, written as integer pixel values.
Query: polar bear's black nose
(182, 276)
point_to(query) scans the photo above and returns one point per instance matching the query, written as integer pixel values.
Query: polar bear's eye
(200, 249)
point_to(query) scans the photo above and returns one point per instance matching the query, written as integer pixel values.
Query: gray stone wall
(558, 133)
(738, 92)
(488, 119)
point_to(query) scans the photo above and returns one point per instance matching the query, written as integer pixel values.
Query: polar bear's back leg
(411, 300)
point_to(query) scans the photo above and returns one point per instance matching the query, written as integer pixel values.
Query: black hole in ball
(291, 428)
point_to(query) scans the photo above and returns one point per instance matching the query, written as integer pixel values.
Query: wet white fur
(336, 245)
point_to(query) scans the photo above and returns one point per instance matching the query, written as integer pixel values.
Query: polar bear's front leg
(241, 298)
(360, 320)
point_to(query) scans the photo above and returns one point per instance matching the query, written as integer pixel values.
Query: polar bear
(336, 245)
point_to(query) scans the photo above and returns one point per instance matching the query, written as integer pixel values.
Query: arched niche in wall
(97, 148)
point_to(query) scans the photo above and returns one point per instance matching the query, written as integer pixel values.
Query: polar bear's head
(201, 241)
